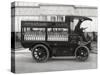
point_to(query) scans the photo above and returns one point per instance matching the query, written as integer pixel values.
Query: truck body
(47, 38)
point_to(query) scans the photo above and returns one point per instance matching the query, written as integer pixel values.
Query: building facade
(28, 11)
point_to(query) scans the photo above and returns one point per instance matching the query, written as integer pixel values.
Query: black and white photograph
(48, 37)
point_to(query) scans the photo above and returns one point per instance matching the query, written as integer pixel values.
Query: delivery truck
(47, 39)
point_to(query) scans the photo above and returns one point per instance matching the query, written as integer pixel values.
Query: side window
(34, 34)
(57, 34)
(38, 29)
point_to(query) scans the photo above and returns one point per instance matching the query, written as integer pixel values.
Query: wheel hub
(82, 53)
(40, 53)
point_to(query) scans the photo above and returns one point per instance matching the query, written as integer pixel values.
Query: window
(73, 24)
(53, 18)
(35, 34)
(57, 34)
(38, 29)
(26, 29)
(60, 18)
(43, 18)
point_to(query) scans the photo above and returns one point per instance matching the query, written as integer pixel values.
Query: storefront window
(43, 18)
(60, 18)
(53, 18)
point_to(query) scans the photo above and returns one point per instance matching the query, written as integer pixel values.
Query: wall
(34, 11)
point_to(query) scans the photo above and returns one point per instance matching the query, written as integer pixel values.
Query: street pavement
(24, 63)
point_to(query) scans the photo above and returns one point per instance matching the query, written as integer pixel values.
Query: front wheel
(82, 53)
(40, 53)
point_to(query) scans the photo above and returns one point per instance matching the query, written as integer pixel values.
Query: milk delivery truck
(47, 39)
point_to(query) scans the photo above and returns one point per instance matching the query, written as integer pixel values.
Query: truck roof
(79, 17)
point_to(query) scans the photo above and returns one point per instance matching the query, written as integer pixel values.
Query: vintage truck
(47, 39)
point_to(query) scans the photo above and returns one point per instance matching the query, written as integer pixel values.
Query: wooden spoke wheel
(82, 53)
(40, 53)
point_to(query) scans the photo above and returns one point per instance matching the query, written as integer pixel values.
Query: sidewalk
(20, 50)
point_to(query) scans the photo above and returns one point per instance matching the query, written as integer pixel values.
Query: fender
(87, 44)
(44, 43)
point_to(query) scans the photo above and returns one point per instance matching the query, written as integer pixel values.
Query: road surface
(24, 63)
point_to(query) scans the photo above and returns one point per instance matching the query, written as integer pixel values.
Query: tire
(40, 53)
(82, 53)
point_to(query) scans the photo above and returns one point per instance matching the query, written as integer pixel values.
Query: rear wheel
(82, 53)
(40, 53)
